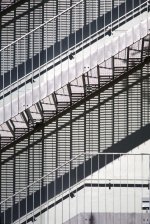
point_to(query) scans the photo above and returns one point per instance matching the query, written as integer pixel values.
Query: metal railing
(36, 70)
(97, 184)
(35, 53)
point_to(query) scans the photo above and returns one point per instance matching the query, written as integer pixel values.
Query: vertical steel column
(42, 47)
(128, 52)
(33, 36)
(84, 86)
(84, 12)
(28, 53)
(70, 18)
(56, 23)
(71, 138)
(70, 95)
(14, 48)
(113, 102)
(56, 106)
(0, 172)
(14, 168)
(0, 39)
(98, 8)
(141, 73)
(28, 152)
(43, 149)
(98, 75)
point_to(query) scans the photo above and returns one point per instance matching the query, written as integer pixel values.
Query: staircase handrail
(92, 154)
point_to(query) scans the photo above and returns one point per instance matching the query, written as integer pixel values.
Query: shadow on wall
(63, 45)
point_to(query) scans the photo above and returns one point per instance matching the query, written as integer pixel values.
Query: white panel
(136, 32)
(114, 45)
(43, 90)
(64, 77)
(71, 70)
(1, 115)
(122, 41)
(29, 98)
(57, 81)
(79, 66)
(36, 94)
(148, 23)
(129, 37)
(50, 81)
(101, 54)
(21, 103)
(94, 59)
(8, 111)
(87, 60)
(15, 108)
(94, 50)
(64, 73)
(108, 53)
(143, 28)
(50, 85)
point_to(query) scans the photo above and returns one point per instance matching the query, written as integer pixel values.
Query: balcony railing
(98, 184)
(40, 68)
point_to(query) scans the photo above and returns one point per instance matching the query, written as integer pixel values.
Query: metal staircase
(91, 113)
(75, 129)
(31, 14)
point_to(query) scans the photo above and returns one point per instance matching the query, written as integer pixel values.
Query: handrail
(56, 169)
(43, 24)
(68, 162)
(84, 42)
(55, 17)
(30, 203)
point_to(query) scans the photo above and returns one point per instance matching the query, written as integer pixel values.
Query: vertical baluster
(113, 178)
(91, 158)
(33, 202)
(5, 213)
(76, 188)
(47, 197)
(105, 156)
(12, 204)
(40, 185)
(25, 90)
(127, 187)
(53, 27)
(26, 216)
(120, 184)
(75, 41)
(46, 46)
(3, 72)
(17, 63)
(149, 185)
(55, 197)
(98, 190)
(62, 194)
(142, 184)
(19, 208)
(39, 41)
(11, 61)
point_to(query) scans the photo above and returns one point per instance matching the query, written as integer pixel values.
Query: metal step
(98, 116)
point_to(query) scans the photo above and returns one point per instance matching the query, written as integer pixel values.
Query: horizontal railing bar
(76, 47)
(81, 154)
(43, 24)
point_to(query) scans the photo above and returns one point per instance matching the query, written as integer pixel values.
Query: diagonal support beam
(11, 127)
(80, 102)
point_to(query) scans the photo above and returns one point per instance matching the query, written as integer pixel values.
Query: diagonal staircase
(94, 104)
